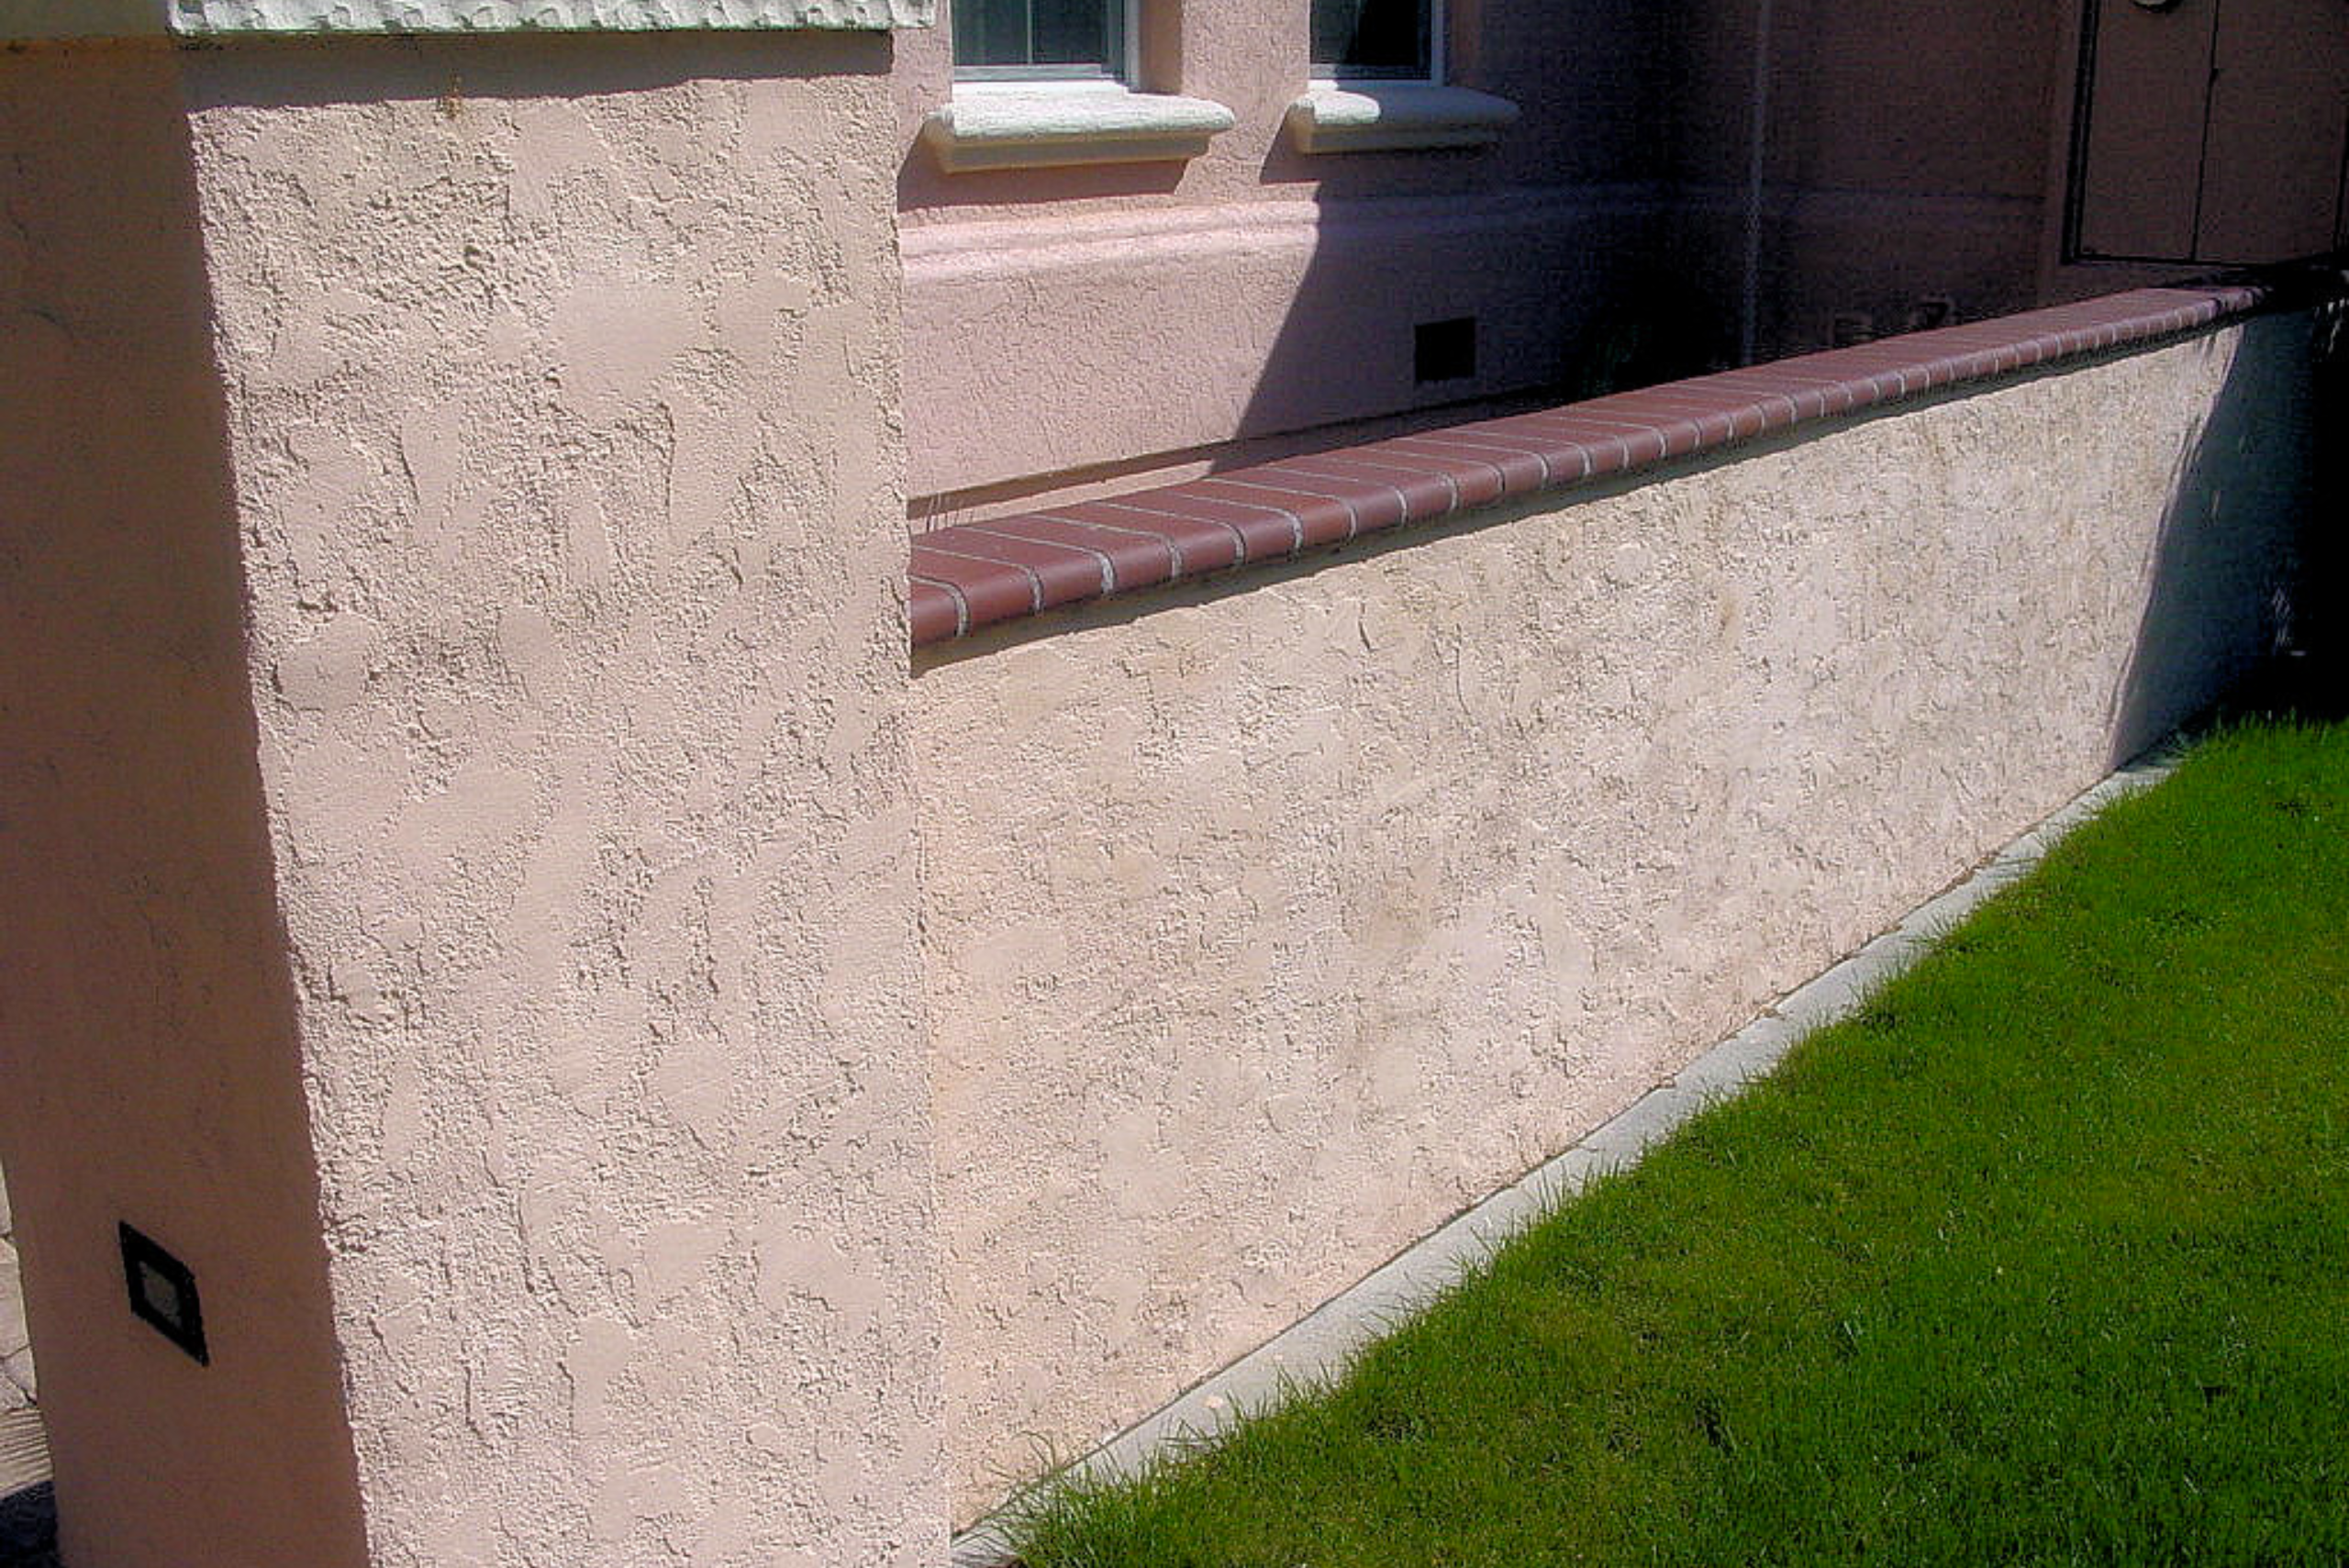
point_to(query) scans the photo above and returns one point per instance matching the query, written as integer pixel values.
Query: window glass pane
(1371, 38)
(1086, 36)
(1072, 32)
(990, 32)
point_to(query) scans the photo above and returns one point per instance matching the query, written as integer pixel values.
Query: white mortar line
(1318, 1347)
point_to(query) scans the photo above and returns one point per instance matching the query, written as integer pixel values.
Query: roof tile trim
(978, 574)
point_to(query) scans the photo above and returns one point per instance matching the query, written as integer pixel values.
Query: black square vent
(1444, 351)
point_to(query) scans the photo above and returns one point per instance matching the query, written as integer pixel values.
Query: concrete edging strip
(1318, 1345)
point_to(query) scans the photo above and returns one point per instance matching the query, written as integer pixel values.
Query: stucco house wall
(1906, 158)
(1066, 327)
(1062, 319)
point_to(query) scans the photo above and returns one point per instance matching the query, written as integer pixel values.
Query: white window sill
(1392, 116)
(995, 125)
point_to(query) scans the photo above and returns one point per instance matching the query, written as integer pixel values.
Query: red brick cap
(978, 574)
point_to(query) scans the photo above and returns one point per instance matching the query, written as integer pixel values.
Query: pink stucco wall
(1064, 326)
(1905, 159)
(457, 851)
(1270, 922)
(559, 377)
(1062, 319)
(1060, 322)
(148, 1036)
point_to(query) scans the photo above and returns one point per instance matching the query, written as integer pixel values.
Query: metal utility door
(2213, 130)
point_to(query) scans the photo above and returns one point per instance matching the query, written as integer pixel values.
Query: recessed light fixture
(162, 1293)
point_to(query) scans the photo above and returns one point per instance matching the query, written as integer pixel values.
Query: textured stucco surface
(1266, 930)
(1061, 318)
(1310, 323)
(149, 1066)
(560, 388)
(104, 18)
(1625, 181)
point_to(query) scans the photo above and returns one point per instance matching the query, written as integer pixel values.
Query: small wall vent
(1444, 351)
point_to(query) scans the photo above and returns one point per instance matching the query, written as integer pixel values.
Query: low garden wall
(1274, 916)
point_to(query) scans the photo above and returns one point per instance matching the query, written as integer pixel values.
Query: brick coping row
(972, 576)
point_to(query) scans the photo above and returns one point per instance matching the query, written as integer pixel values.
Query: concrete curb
(1317, 1346)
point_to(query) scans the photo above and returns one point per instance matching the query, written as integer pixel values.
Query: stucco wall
(1883, 186)
(1255, 290)
(148, 1047)
(1267, 928)
(1294, 315)
(560, 380)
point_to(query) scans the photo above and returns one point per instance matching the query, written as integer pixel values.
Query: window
(1029, 41)
(1045, 83)
(1378, 40)
(1378, 71)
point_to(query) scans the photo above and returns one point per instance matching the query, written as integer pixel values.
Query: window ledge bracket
(1039, 129)
(1394, 117)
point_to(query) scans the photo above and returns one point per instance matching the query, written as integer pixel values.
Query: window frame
(1323, 74)
(1123, 74)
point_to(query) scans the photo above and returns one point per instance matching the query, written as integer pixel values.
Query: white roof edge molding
(1043, 129)
(226, 18)
(1394, 117)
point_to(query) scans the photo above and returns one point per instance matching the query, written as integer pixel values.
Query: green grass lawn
(2044, 1258)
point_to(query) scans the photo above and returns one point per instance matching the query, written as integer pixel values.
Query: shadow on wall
(1450, 279)
(29, 1528)
(2321, 624)
(2230, 585)
(150, 1067)
(1887, 200)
